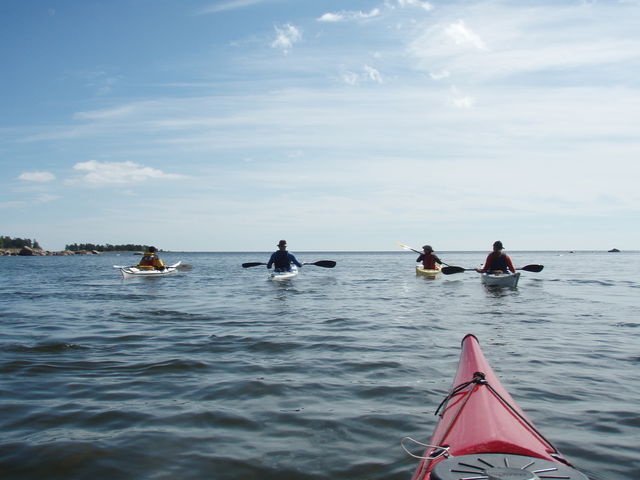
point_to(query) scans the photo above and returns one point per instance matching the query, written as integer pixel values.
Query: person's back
(151, 261)
(497, 261)
(282, 259)
(428, 258)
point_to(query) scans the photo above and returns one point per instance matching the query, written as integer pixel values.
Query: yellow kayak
(426, 272)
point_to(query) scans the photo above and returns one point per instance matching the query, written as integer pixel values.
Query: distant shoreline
(38, 252)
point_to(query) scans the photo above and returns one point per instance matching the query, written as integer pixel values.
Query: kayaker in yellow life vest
(151, 261)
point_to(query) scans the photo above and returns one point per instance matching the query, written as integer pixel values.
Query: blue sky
(228, 125)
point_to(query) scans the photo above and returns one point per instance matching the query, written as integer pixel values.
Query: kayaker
(282, 259)
(497, 261)
(428, 258)
(151, 261)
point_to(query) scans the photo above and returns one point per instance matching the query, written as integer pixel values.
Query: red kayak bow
(483, 434)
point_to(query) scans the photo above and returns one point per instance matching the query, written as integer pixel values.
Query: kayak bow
(483, 434)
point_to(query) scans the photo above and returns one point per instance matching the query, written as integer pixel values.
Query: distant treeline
(76, 247)
(8, 242)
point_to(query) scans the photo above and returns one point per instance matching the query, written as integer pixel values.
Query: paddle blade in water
(324, 263)
(252, 264)
(450, 270)
(532, 268)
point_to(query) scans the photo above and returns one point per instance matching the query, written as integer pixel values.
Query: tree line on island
(78, 247)
(8, 242)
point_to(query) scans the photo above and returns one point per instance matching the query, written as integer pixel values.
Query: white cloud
(119, 173)
(350, 78)
(115, 112)
(286, 37)
(13, 204)
(368, 73)
(464, 36)
(45, 198)
(230, 5)
(373, 74)
(439, 75)
(331, 17)
(415, 3)
(40, 177)
(349, 15)
(459, 100)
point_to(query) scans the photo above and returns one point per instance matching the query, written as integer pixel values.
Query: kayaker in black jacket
(282, 259)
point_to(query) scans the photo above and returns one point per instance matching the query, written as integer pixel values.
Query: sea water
(219, 373)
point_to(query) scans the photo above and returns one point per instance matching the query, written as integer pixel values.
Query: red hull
(475, 420)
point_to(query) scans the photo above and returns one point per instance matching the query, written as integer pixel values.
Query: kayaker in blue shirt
(282, 259)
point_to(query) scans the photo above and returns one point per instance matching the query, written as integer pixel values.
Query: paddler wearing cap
(151, 261)
(428, 258)
(282, 259)
(497, 261)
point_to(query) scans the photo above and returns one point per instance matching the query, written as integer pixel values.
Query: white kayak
(500, 279)
(288, 275)
(140, 272)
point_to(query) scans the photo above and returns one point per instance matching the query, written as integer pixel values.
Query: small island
(614, 250)
(27, 247)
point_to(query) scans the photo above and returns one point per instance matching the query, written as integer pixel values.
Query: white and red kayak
(483, 434)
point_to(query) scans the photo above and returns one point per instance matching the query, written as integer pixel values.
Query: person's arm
(293, 259)
(487, 263)
(510, 265)
(271, 260)
(158, 264)
(437, 260)
(420, 258)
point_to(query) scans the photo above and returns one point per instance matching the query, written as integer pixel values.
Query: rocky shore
(32, 252)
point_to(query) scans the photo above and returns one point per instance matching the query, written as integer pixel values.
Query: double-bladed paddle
(526, 268)
(319, 263)
(407, 247)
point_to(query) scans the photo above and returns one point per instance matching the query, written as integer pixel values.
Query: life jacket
(147, 260)
(150, 261)
(281, 260)
(429, 262)
(498, 262)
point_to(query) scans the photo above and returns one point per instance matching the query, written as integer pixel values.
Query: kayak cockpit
(500, 466)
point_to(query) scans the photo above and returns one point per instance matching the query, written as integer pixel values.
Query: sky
(228, 125)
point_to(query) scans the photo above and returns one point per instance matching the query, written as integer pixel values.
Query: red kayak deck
(480, 417)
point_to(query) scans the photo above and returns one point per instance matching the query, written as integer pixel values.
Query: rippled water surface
(219, 373)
